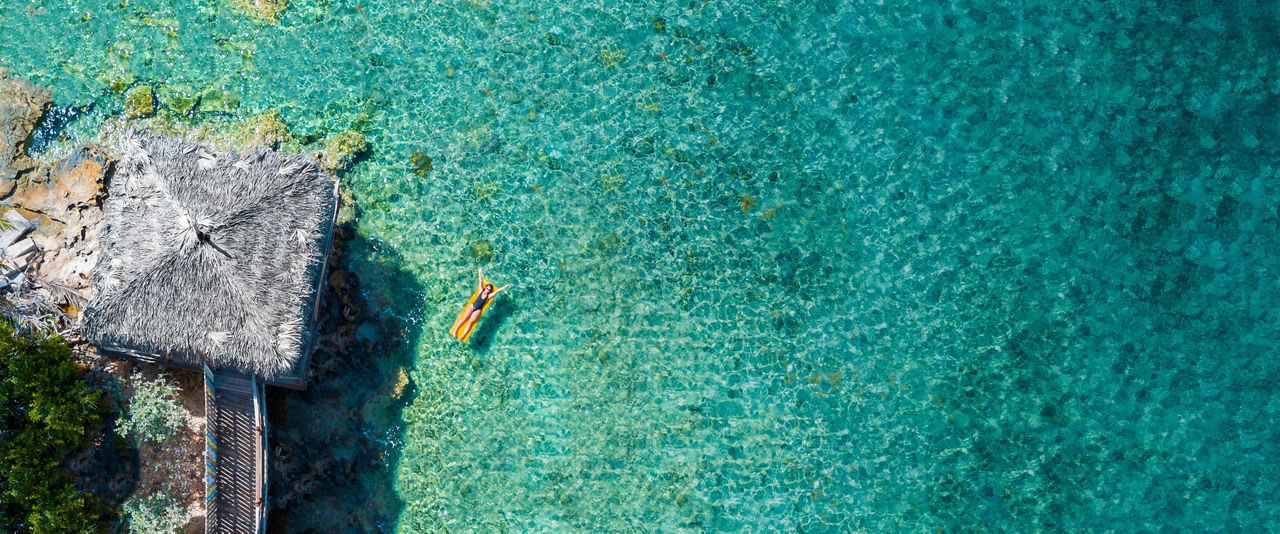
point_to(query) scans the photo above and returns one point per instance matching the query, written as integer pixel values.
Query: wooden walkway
(235, 454)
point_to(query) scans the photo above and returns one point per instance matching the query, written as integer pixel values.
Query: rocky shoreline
(62, 199)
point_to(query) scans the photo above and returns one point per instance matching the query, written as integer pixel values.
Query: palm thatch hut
(212, 258)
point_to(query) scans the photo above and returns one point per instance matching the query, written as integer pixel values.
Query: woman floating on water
(471, 312)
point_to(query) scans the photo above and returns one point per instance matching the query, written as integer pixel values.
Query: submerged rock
(612, 181)
(341, 150)
(347, 209)
(482, 250)
(401, 383)
(422, 163)
(117, 80)
(612, 57)
(264, 130)
(267, 10)
(218, 101)
(178, 99)
(140, 102)
(215, 130)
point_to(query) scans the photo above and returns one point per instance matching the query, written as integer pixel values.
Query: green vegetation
(46, 411)
(155, 513)
(154, 413)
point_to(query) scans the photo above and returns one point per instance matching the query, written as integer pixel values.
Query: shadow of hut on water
(333, 446)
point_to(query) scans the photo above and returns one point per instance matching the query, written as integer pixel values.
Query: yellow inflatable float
(464, 326)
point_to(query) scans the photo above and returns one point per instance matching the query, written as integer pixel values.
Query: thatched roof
(211, 257)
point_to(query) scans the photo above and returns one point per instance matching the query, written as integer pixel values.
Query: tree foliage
(154, 412)
(46, 411)
(153, 514)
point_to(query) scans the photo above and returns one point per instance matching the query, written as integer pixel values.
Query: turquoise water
(803, 266)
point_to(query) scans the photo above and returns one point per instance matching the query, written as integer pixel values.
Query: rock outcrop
(63, 198)
(22, 104)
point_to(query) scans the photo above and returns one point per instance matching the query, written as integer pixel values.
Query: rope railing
(210, 453)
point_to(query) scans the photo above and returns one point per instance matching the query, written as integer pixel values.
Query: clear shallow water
(805, 266)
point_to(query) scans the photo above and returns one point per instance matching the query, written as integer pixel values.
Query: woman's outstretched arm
(499, 290)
